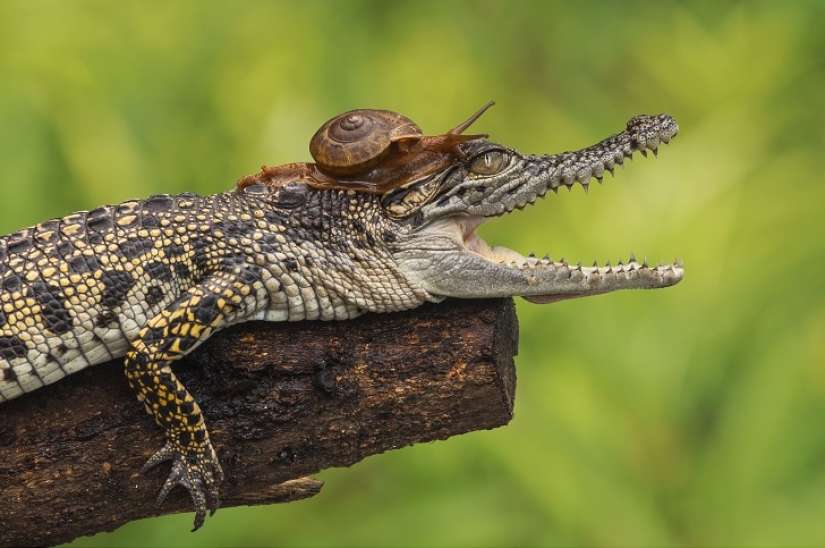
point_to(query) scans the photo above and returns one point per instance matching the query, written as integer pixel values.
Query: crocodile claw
(199, 471)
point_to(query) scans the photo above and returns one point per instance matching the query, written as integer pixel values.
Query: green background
(693, 416)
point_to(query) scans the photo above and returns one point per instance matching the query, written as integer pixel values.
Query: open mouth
(448, 258)
(563, 280)
(590, 279)
(571, 281)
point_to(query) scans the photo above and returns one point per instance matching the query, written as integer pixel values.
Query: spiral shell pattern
(355, 141)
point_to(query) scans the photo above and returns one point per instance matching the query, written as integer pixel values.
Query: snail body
(372, 151)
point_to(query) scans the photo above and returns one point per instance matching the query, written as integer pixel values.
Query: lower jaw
(547, 299)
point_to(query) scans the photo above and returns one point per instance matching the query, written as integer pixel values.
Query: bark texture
(281, 401)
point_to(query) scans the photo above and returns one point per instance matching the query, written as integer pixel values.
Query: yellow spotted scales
(149, 280)
(152, 279)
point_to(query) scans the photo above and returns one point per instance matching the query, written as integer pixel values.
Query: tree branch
(281, 401)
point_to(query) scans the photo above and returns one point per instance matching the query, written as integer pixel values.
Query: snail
(372, 151)
(356, 141)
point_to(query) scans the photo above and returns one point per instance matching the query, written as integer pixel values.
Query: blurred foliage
(687, 417)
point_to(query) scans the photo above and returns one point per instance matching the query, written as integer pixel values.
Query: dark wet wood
(281, 401)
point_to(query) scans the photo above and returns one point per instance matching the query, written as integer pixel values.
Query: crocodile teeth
(567, 169)
(629, 270)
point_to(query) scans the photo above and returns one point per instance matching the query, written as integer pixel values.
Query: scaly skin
(149, 280)
(446, 256)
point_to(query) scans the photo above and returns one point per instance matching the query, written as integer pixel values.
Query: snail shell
(354, 142)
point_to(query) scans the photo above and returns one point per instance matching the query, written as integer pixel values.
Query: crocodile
(149, 280)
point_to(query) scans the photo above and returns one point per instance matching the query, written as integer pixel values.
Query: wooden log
(281, 401)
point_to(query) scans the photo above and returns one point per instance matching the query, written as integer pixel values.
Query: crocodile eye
(489, 163)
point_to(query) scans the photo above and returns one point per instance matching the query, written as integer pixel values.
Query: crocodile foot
(198, 470)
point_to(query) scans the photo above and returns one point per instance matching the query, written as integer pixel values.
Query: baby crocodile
(149, 280)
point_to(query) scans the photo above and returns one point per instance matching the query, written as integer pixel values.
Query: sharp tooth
(579, 266)
(655, 152)
(532, 255)
(644, 264)
(632, 257)
(585, 186)
(600, 179)
(546, 257)
(644, 152)
(555, 189)
(595, 264)
(612, 171)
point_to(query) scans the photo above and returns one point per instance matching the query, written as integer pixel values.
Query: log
(281, 401)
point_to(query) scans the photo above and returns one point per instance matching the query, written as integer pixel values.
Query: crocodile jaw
(559, 279)
(445, 255)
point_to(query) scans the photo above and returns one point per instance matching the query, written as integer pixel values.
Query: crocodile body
(149, 280)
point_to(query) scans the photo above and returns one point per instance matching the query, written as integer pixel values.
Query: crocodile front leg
(177, 330)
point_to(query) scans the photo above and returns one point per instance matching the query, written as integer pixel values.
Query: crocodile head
(430, 194)
(443, 253)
